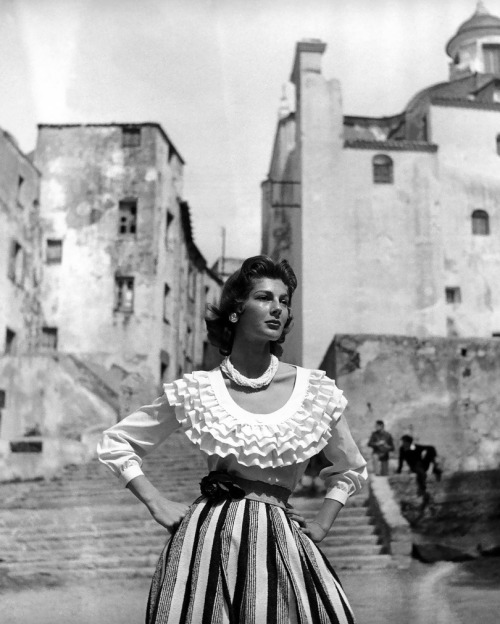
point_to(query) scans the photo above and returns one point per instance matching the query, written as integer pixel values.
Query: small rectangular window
(124, 294)
(383, 169)
(15, 269)
(169, 230)
(127, 211)
(491, 54)
(166, 299)
(10, 341)
(53, 251)
(2, 399)
(191, 283)
(453, 295)
(20, 183)
(480, 223)
(131, 137)
(49, 338)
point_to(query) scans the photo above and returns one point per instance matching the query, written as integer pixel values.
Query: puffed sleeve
(347, 472)
(123, 446)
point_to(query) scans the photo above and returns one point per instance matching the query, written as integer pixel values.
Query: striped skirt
(244, 562)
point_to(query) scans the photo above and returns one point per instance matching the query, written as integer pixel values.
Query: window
(20, 182)
(425, 129)
(124, 294)
(127, 210)
(191, 283)
(10, 341)
(166, 298)
(382, 169)
(53, 251)
(16, 263)
(163, 371)
(49, 338)
(480, 223)
(131, 137)
(498, 144)
(164, 364)
(453, 295)
(168, 229)
(491, 54)
(2, 399)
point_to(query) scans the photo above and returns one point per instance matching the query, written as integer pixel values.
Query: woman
(241, 553)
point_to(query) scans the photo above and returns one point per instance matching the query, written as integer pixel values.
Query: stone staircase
(84, 523)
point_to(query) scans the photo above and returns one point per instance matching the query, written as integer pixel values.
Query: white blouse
(274, 448)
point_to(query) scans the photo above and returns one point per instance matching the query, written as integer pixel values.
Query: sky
(212, 73)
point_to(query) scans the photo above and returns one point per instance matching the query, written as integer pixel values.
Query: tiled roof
(401, 146)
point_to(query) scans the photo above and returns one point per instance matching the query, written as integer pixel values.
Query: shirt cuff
(130, 473)
(337, 494)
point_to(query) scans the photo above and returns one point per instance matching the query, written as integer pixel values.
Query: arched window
(480, 223)
(382, 169)
(498, 143)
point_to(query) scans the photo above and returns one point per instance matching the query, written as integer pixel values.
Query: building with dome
(392, 223)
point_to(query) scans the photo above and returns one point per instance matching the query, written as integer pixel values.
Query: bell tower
(475, 47)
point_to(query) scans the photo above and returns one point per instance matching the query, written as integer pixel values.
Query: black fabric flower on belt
(219, 486)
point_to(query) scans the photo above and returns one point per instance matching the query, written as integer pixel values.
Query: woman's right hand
(168, 513)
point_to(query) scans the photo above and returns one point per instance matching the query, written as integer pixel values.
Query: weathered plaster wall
(55, 394)
(442, 391)
(365, 248)
(469, 166)
(19, 307)
(86, 172)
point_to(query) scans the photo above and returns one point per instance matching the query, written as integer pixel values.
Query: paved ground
(443, 593)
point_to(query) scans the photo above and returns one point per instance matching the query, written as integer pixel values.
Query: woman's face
(265, 312)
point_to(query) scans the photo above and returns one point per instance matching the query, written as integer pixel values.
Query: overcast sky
(211, 73)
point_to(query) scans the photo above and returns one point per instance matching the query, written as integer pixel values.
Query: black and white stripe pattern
(244, 562)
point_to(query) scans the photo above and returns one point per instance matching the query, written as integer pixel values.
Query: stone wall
(460, 520)
(443, 391)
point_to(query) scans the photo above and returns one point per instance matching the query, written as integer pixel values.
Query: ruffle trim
(216, 432)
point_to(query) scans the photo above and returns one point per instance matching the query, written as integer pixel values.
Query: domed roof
(481, 23)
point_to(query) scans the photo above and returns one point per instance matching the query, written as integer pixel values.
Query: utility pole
(223, 254)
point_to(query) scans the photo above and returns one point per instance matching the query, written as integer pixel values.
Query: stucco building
(124, 284)
(102, 287)
(20, 239)
(392, 223)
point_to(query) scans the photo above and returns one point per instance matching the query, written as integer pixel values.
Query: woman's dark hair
(235, 294)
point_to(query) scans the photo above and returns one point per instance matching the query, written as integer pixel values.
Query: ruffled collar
(294, 433)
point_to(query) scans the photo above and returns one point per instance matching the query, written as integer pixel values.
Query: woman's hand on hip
(314, 531)
(168, 513)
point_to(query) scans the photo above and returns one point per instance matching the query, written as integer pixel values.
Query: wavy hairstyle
(235, 293)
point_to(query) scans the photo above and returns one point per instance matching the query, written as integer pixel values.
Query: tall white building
(392, 223)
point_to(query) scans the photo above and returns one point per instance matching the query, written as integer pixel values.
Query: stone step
(122, 529)
(105, 557)
(134, 521)
(126, 569)
(77, 542)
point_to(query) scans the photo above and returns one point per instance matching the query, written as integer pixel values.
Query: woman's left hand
(314, 531)
(309, 527)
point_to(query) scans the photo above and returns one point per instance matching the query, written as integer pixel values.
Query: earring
(233, 317)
